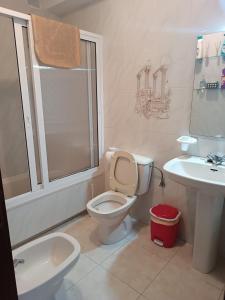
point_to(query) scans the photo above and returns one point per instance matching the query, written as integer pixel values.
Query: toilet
(129, 176)
(46, 261)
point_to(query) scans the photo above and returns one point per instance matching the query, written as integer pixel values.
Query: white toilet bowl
(129, 177)
(46, 261)
(110, 210)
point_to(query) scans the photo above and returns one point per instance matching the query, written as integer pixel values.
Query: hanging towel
(56, 44)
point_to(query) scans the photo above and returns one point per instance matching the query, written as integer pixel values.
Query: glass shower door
(13, 145)
(70, 115)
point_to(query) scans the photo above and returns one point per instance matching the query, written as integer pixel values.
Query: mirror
(208, 103)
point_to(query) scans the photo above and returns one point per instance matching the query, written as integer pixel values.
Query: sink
(196, 172)
(209, 182)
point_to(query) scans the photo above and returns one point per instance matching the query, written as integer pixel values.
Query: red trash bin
(164, 225)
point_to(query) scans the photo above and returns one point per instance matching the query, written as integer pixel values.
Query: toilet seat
(126, 165)
(123, 187)
(110, 203)
(110, 210)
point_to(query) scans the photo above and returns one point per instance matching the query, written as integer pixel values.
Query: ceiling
(63, 7)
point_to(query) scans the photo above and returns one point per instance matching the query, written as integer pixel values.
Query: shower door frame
(21, 20)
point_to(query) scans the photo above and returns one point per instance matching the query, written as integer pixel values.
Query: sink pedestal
(207, 228)
(196, 173)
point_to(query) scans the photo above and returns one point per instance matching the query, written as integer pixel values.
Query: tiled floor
(135, 268)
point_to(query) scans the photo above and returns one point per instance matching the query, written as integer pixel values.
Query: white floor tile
(81, 269)
(179, 278)
(141, 297)
(183, 259)
(135, 266)
(85, 232)
(102, 252)
(101, 285)
(141, 236)
(64, 293)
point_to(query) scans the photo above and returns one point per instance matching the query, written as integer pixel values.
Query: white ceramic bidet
(46, 261)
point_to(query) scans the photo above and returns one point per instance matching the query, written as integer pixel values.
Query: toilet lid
(123, 173)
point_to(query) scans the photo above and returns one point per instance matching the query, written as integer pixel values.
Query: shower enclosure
(50, 119)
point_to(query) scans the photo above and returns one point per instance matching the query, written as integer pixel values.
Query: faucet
(215, 159)
(18, 261)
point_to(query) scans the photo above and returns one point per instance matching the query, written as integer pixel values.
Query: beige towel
(56, 44)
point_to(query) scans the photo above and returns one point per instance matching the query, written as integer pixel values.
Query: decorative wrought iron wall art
(153, 93)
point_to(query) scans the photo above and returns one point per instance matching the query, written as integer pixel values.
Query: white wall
(22, 6)
(134, 32)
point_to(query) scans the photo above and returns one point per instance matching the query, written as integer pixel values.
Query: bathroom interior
(112, 149)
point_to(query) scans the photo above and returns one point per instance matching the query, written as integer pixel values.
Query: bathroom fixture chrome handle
(18, 261)
(215, 159)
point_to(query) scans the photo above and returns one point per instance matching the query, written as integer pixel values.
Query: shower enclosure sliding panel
(26, 101)
(27, 64)
(70, 115)
(50, 120)
(13, 140)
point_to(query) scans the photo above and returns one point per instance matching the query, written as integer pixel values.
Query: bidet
(17, 261)
(47, 260)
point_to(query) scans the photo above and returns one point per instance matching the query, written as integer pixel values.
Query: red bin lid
(165, 211)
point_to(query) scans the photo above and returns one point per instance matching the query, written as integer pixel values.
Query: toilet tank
(144, 165)
(144, 173)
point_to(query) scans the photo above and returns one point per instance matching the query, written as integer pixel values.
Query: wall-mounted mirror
(208, 104)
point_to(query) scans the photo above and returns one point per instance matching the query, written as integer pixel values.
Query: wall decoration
(153, 94)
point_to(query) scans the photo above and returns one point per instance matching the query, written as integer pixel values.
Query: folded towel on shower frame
(56, 44)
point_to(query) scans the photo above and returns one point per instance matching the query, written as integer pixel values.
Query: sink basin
(196, 172)
(209, 182)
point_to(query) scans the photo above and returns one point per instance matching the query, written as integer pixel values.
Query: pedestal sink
(209, 181)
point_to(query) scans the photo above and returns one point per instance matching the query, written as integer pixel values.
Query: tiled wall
(135, 32)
